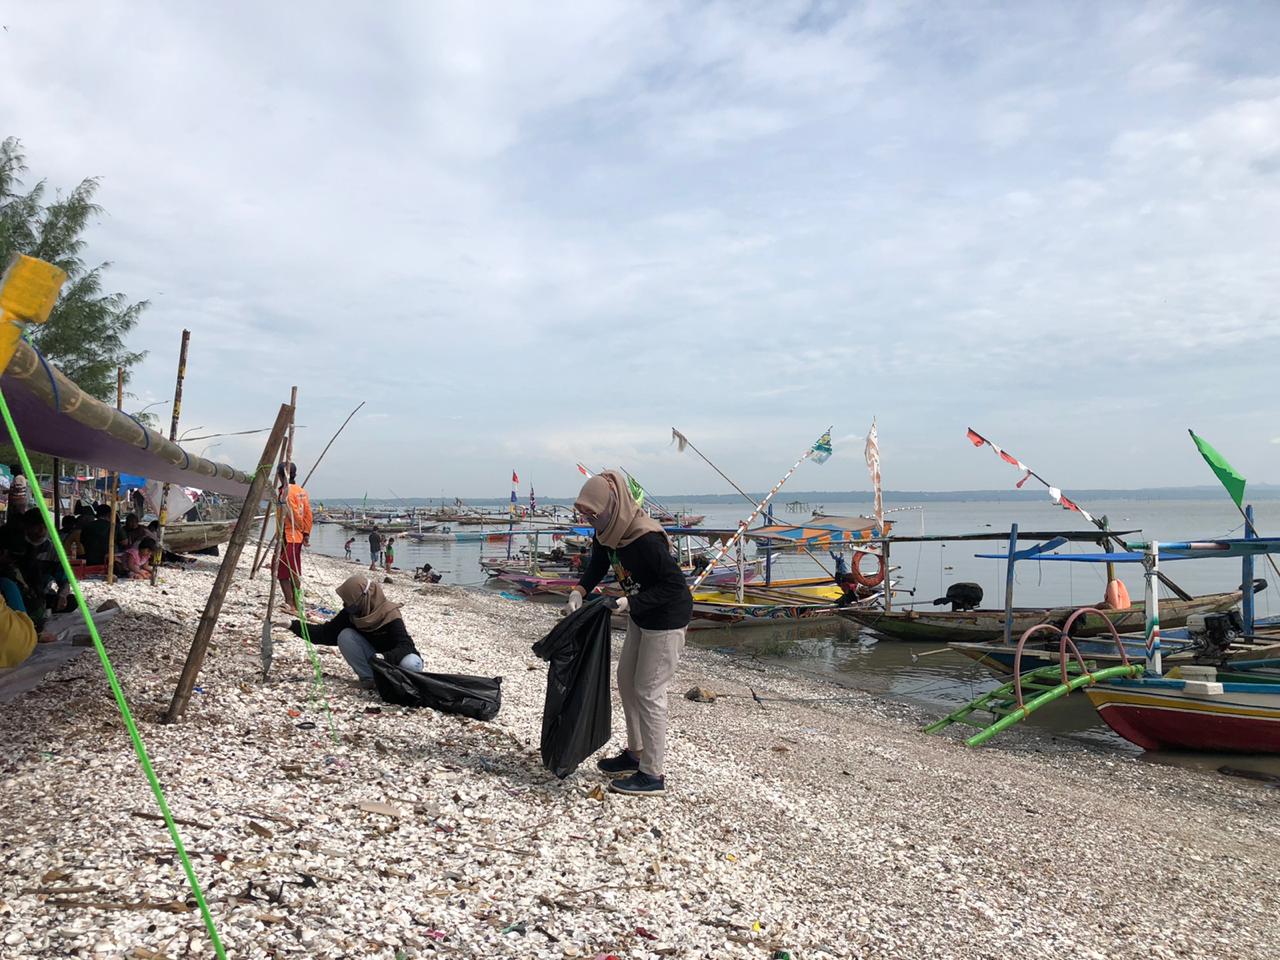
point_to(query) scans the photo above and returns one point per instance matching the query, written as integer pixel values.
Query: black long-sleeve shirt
(392, 640)
(662, 600)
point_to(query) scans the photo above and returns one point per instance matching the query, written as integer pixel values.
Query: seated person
(70, 534)
(368, 624)
(136, 559)
(17, 632)
(133, 531)
(426, 574)
(95, 534)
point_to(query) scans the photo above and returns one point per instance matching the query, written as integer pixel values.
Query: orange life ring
(855, 570)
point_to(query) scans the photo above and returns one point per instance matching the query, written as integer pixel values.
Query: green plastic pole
(138, 747)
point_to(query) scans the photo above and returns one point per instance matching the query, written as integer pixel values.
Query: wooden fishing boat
(186, 536)
(1231, 709)
(984, 626)
(783, 601)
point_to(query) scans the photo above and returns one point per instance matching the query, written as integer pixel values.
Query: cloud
(548, 234)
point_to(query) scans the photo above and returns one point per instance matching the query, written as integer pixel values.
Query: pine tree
(85, 334)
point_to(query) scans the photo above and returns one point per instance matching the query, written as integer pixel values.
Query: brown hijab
(368, 607)
(619, 520)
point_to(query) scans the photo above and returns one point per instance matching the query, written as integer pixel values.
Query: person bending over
(659, 604)
(368, 625)
(137, 558)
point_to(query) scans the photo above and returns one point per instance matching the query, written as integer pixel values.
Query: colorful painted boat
(1195, 709)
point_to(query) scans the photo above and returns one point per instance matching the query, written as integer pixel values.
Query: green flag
(1225, 472)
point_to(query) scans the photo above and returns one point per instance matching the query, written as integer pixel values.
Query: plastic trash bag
(477, 697)
(576, 715)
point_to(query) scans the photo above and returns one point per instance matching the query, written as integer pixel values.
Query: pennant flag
(821, 450)
(533, 501)
(584, 471)
(1227, 475)
(1055, 494)
(679, 439)
(873, 467)
(515, 478)
(1025, 477)
(637, 491)
(974, 437)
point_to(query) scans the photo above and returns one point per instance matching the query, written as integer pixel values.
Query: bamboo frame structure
(157, 555)
(226, 572)
(113, 479)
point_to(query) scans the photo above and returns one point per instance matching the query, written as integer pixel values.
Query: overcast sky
(529, 234)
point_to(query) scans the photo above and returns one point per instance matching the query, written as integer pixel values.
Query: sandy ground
(827, 829)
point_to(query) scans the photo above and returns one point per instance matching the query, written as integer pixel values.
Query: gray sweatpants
(647, 664)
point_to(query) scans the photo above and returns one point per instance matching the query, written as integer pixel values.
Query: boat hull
(980, 626)
(1162, 715)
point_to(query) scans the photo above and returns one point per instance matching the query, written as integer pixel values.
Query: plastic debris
(642, 932)
(782, 955)
(519, 927)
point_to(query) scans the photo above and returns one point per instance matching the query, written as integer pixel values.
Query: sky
(528, 235)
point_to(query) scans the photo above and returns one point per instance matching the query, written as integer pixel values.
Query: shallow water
(939, 682)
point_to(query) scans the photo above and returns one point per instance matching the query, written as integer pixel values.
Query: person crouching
(368, 625)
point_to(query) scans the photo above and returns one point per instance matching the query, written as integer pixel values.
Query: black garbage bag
(477, 697)
(576, 715)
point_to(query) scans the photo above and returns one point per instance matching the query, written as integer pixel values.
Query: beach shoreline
(819, 821)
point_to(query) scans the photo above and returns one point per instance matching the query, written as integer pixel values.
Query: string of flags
(1055, 493)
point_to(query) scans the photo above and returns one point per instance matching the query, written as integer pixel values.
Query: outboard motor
(962, 596)
(1214, 632)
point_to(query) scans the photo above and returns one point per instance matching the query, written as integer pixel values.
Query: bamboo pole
(158, 554)
(266, 517)
(113, 481)
(226, 572)
(57, 495)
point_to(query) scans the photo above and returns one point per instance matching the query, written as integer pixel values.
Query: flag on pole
(821, 450)
(584, 471)
(515, 478)
(1055, 494)
(873, 467)
(1227, 475)
(637, 491)
(679, 439)
(512, 508)
(533, 500)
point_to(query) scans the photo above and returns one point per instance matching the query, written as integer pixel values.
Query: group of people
(381, 552)
(657, 604)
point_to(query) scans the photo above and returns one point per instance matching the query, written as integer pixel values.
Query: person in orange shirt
(295, 518)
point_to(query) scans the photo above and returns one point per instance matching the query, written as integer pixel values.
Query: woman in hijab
(659, 604)
(368, 624)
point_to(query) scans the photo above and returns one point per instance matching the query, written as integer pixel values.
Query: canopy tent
(56, 417)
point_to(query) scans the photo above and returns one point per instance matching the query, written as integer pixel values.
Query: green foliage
(85, 334)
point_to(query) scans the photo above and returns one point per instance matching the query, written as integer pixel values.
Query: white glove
(620, 605)
(572, 604)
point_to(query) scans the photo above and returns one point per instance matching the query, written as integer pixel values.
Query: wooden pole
(226, 572)
(158, 555)
(57, 495)
(1008, 585)
(113, 481)
(266, 517)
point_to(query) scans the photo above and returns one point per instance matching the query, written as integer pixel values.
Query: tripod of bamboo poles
(158, 553)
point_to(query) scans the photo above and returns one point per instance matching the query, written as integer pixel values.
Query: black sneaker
(625, 762)
(639, 785)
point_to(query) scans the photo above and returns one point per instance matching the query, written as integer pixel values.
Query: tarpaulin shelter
(57, 418)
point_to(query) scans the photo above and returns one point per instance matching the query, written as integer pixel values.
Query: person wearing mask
(295, 517)
(368, 625)
(658, 604)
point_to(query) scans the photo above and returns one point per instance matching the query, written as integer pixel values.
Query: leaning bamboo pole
(113, 479)
(226, 572)
(158, 554)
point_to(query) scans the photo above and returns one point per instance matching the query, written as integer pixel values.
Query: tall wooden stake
(226, 572)
(158, 555)
(113, 481)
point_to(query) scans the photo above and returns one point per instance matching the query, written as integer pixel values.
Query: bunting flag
(533, 500)
(821, 450)
(873, 467)
(1055, 494)
(512, 508)
(1227, 475)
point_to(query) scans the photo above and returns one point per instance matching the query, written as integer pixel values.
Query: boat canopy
(820, 534)
(1172, 550)
(56, 417)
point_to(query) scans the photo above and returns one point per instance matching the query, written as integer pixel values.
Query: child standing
(389, 552)
(347, 547)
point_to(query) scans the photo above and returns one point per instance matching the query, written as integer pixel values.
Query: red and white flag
(515, 479)
(584, 471)
(1055, 494)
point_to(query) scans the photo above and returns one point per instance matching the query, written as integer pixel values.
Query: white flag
(873, 467)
